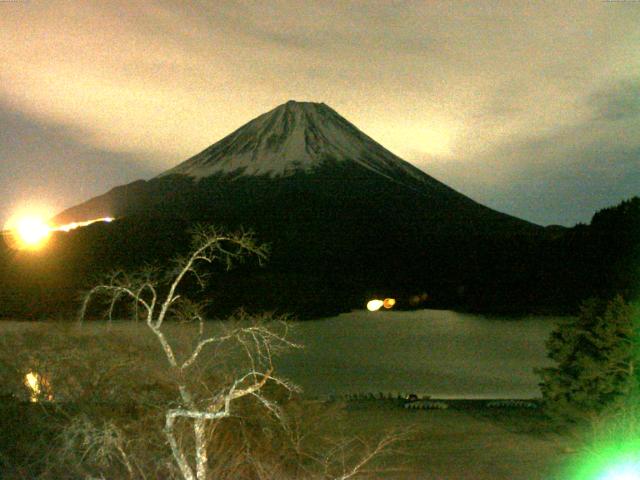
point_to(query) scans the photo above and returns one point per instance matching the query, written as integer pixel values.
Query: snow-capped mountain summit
(296, 137)
(302, 161)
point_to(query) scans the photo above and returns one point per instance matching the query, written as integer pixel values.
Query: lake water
(431, 352)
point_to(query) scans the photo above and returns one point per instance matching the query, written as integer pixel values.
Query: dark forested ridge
(323, 261)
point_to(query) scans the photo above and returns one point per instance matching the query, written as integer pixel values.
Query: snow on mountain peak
(292, 137)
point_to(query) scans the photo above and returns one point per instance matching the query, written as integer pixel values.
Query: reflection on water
(430, 352)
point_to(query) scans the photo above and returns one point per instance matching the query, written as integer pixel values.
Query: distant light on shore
(374, 305)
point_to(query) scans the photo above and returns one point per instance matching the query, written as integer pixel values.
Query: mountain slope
(304, 148)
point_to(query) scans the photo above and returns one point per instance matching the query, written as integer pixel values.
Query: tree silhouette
(596, 361)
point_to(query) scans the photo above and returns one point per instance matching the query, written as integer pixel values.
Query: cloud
(618, 101)
(559, 177)
(43, 166)
(466, 87)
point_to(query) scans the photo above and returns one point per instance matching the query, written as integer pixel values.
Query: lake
(440, 353)
(444, 354)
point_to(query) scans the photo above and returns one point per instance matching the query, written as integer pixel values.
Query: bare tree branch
(258, 342)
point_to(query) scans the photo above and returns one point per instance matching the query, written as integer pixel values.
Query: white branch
(381, 447)
(194, 355)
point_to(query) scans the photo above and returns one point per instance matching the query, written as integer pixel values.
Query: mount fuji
(344, 216)
(304, 141)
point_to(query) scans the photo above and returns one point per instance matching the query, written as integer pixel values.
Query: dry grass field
(469, 444)
(461, 442)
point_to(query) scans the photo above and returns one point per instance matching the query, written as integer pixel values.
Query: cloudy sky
(530, 107)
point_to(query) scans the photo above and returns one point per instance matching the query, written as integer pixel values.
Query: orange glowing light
(29, 232)
(374, 305)
(32, 230)
(388, 303)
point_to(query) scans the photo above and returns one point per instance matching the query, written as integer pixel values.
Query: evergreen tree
(596, 356)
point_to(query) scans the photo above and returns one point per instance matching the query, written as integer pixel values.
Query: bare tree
(200, 405)
(258, 342)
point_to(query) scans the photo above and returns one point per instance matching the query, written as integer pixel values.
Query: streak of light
(31, 232)
(73, 225)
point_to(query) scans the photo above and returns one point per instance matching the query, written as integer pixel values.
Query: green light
(617, 461)
(625, 471)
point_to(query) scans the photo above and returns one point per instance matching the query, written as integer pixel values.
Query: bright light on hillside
(32, 230)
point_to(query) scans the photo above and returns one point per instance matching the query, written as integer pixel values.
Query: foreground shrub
(596, 362)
